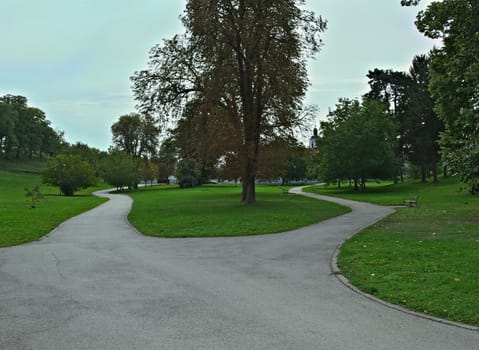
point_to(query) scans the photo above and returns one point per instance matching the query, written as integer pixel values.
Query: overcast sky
(73, 58)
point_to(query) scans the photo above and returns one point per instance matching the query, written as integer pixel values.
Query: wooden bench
(411, 201)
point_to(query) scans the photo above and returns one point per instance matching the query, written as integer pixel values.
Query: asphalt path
(95, 283)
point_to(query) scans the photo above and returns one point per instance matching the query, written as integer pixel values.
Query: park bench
(411, 201)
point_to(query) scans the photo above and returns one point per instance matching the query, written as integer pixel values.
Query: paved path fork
(95, 283)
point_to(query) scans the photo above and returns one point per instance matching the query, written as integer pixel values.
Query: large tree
(421, 122)
(410, 104)
(204, 136)
(245, 60)
(357, 143)
(25, 130)
(455, 81)
(136, 134)
(8, 119)
(390, 87)
(120, 170)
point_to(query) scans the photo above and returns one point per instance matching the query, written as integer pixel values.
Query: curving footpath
(95, 283)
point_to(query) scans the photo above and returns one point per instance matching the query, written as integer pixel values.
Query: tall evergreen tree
(421, 121)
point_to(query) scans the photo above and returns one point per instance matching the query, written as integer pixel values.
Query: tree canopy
(136, 134)
(25, 131)
(69, 172)
(120, 170)
(357, 143)
(409, 102)
(244, 62)
(454, 71)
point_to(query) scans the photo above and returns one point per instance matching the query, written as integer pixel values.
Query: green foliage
(455, 81)
(410, 105)
(69, 172)
(410, 2)
(136, 134)
(120, 170)
(90, 154)
(214, 210)
(24, 130)
(20, 223)
(188, 173)
(357, 143)
(148, 171)
(421, 124)
(422, 258)
(462, 155)
(242, 64)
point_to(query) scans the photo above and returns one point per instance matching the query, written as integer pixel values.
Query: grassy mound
(216, 210)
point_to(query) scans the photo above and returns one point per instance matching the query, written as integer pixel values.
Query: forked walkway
(94, 283)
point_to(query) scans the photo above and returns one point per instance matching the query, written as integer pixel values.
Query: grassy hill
(20, 223)
(30, 166)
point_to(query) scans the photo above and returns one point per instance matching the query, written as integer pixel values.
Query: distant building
(313, 140)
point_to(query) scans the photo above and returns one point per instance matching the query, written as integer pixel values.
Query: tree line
(393, 126)
(454, 82)
(127, 162)
(423, 118)
(234, 84)
(25, 131)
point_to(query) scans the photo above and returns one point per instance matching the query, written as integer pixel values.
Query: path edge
(336, 271)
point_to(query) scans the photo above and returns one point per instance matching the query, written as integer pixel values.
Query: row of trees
(410, 105)
(25, 131)
(394, 124)
(454, 81)
(426, 116)
(81, 166)
(130, 160)
(357, 143)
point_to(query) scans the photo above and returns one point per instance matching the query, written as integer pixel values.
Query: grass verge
(425, 258)
(216, 210)
(20, 223)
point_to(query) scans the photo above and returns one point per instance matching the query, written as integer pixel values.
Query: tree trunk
(423, 173)
(434, 169)
(250, 192)
(249, 177)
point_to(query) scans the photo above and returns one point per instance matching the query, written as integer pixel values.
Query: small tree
(148, 172)
(34, 194)
(69, 172)
(120, 170)
(188, 173)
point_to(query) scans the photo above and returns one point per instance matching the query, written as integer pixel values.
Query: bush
(69, 172)
(120, 170)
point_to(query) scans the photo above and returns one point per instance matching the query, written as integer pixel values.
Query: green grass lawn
(424, 258)
(216, 210)
(20, 223)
